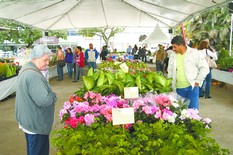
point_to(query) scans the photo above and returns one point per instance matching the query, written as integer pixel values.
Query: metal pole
(231, 34)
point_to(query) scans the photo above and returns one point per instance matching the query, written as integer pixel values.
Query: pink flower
(81, 119)
(72, 122)
(194, 114)
(95, 108)
(73, 113)
(89, 119)
(67, 105)
(207, 120)
(147, 109)
(138, 103)
(158, 114)
(162, 100)
(62, 112)
(107, 112)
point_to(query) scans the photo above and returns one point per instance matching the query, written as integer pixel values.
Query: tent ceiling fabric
(72, 14)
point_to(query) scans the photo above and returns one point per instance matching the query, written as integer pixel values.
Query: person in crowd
(188, 68)
(35, 102)
(74, 63)
(69, 59)
(80, 62)
(140, 53)
(104, 53)
(206, 50)
(134, 50)
(60, 56)
(168, 52)
(143, 54)
(160, 57)
(91, 56)
(129, 50)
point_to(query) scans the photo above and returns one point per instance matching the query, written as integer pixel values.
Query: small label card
(122, 116)
(124, 67)
(130, 92)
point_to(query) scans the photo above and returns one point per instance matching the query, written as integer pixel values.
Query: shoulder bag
(61, 63)
(211, 62)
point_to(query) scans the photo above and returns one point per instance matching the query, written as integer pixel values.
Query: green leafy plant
(106, 83)
(159, 138)
(224, 61)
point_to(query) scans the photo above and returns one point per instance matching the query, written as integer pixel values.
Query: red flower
(78, 99)
(81, 120)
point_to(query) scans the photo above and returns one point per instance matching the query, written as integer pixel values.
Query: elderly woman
(35, 102)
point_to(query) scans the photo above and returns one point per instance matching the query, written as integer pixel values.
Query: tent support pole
(230, 53)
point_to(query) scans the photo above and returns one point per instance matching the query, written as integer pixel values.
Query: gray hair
(39, 50)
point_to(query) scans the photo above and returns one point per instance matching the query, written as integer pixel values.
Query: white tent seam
(145, 13)
(65, 14)
(104, 12)
(38, 10)
(164, 7)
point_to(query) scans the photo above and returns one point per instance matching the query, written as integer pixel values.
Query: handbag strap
(29, 69)
(206, 52)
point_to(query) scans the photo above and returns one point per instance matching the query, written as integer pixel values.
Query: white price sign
(122, 116)
(130, 92)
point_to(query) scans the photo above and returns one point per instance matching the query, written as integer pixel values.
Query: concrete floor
(219, 108)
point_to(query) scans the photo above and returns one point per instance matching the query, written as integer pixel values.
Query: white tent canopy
(157, 36)
(70, 14)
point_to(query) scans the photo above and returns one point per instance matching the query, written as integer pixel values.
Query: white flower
(171, 119)
(174, 104)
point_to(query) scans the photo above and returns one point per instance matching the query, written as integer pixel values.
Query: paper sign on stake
(122, 116)
(130, 92)
(124, 67)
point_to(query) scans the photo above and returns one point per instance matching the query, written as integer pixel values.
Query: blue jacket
(69, 57)
(87, 55)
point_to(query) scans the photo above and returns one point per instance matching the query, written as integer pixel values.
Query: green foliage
(7, 70)
(158, 138)
(20, 33)
(213, 24)
(105, 32)
(224, 60)
(106, 83)
(53, 60)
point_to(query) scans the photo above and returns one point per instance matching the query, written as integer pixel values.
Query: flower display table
(7, 87)
(223, 76)
(53, 71)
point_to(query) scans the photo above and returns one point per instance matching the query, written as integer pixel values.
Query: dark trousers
(37, 144)
(159, 66)
(60, 72)
(207, 81)
(74, 66)
(92, 64)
